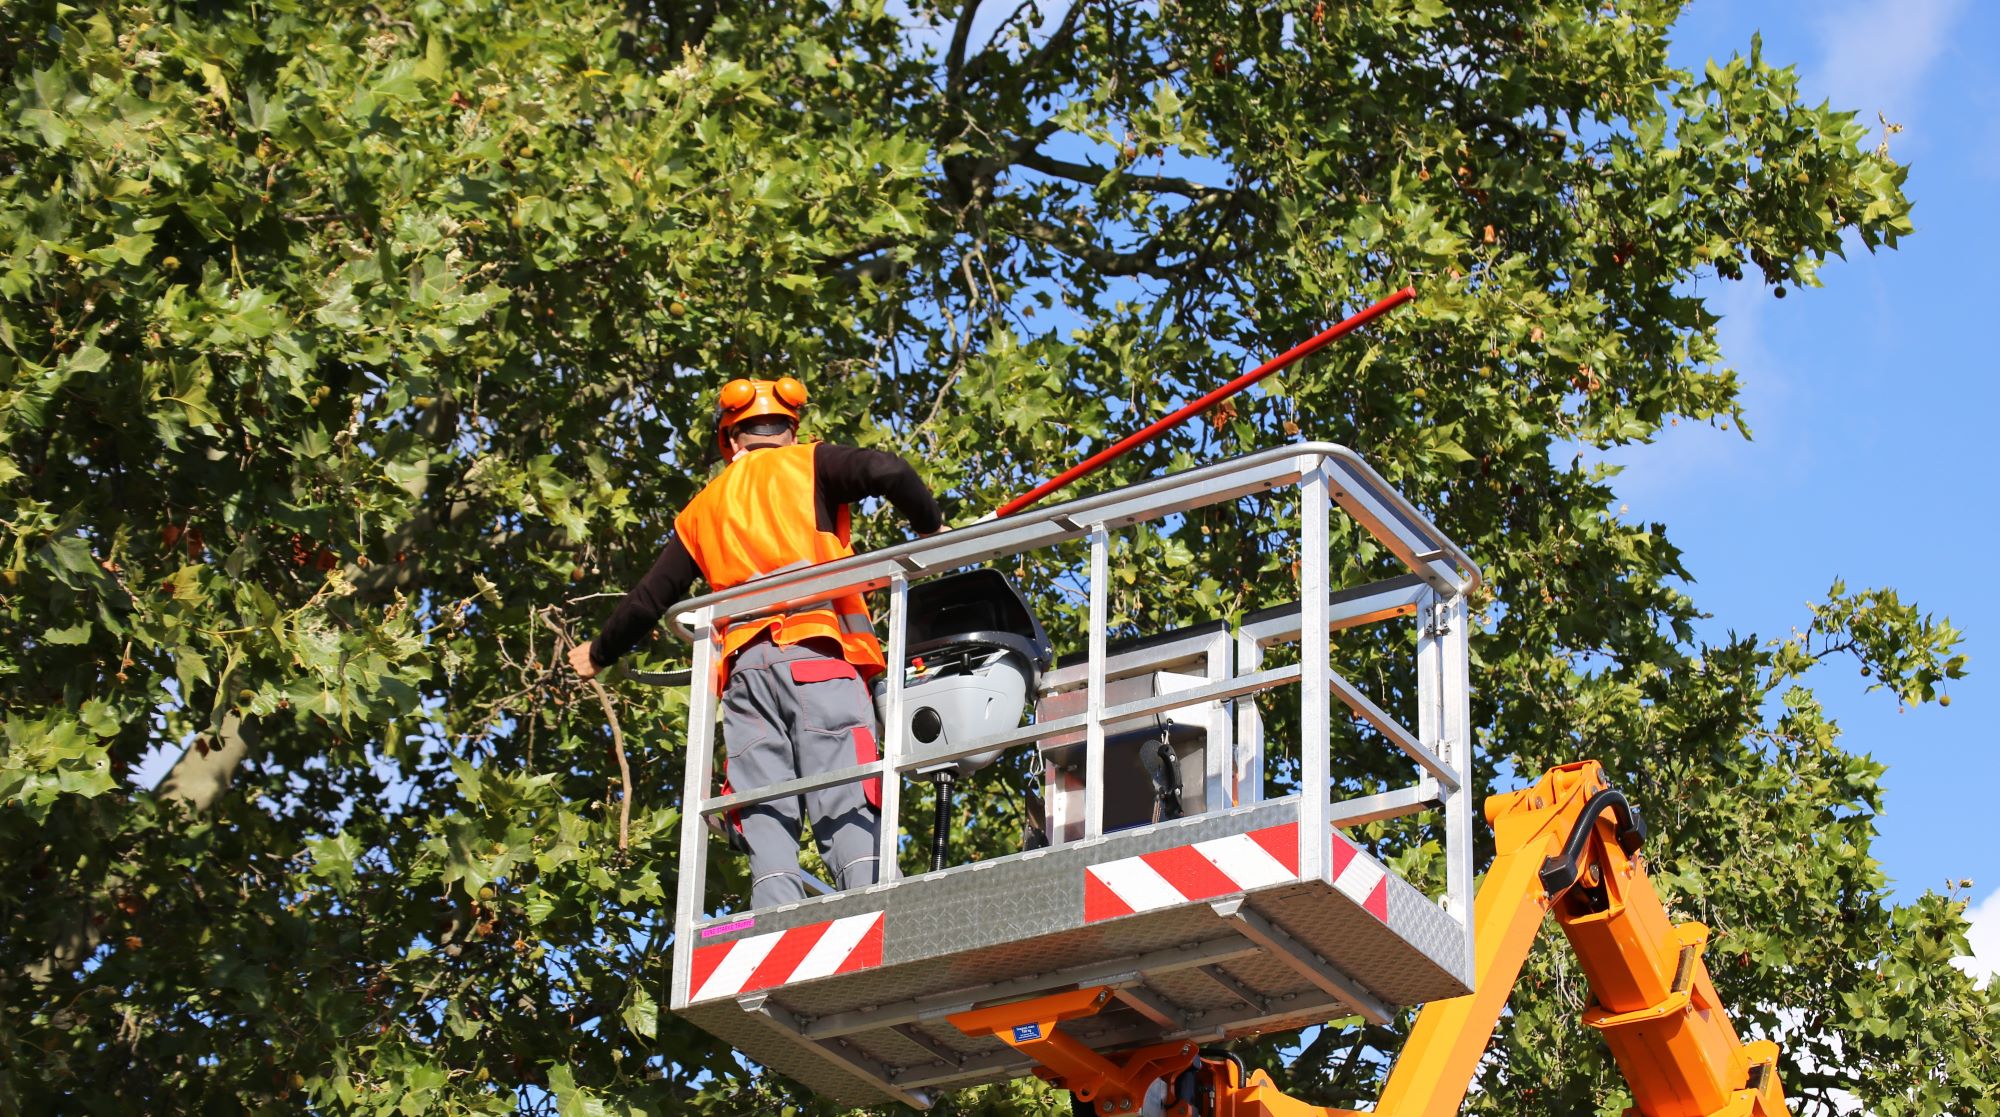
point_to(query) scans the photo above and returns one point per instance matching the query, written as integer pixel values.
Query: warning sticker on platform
(1190, 873)
(1025, 1032)
(775, 958)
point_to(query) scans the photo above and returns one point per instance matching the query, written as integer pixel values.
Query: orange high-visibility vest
(758, 517)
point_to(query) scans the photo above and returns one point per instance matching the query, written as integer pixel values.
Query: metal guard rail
(1380, 509)
(1441, 577)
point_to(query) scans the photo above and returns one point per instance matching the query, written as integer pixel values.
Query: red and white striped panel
(1223, 867)
(1204, 870)
(782, 957)
(1360, 877)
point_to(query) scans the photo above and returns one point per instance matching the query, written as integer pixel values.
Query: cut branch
(565, 642)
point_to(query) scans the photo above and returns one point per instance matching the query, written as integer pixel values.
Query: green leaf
(189, 390)
(88, 358)
(78, 633)
(218, 86)
(640, 1014)
(1449, 450)
(468, 779)
(573, 1100)
(538, 908)
(333, 859)
(190, 668)
(435, 61)
(68, 558)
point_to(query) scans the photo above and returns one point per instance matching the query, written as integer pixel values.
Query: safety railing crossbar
(1385, 511)
(1235, 687)
(1424, 795)
(1389, 727)
(1376, 601)
(1125, 663)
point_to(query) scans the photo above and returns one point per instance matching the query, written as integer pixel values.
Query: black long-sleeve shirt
(841, 475)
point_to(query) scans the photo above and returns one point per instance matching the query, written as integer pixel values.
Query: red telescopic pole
(1304, 349)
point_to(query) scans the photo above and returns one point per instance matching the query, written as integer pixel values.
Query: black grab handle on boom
(1560, 872)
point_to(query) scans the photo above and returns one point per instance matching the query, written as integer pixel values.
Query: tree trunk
(197, 780)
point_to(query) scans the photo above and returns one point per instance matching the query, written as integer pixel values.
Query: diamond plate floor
(1015, 926)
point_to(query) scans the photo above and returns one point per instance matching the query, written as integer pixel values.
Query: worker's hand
(579, 658)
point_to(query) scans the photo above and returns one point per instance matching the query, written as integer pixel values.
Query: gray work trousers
(794, 710)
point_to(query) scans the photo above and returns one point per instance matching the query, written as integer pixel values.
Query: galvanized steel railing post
(1455, 742)
(1247, 764)
(1219, 751)
(1315, 504)
(691, 899)
(894, 729)
(1443, 724)
(1100, 620)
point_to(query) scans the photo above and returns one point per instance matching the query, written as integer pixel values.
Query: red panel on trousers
(822, 670)
(865, 753)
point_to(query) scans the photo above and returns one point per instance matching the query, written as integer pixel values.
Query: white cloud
(1877, 53)
(1984, 932)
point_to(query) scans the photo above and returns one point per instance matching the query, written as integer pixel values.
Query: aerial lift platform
(1246, 916)
(1106, 960)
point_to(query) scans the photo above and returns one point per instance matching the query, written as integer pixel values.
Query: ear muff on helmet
(743, 399)
(737, 394)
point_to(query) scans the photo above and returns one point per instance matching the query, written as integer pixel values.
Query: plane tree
(356, 355)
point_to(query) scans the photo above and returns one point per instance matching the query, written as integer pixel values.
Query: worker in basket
(795, 696)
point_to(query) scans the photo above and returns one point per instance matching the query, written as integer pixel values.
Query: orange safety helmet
(749, 399)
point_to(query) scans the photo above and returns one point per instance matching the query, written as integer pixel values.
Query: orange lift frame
(1568, 846)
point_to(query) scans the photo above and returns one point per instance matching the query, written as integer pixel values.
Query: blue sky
(1876, 416)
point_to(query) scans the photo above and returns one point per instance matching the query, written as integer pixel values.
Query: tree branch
(1140, 261)
(1064, 33)
(954, 59)
(200, 776)
(1144, 260)
(848, 267)
(878, 269)
(1090, 174)
(565, 642)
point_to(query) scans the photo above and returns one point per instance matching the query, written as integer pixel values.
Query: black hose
(1242, 1074)
(942, 779)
